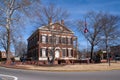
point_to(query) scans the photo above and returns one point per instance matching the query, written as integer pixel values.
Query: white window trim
(44, 34)
(69, 53)
(63, 36)
(63, 48)
(50, 47)
(70, 48)
(57, 35)
(43, 39)
(41, 58)
(69, 37)
(44, 47)
(57, 40)
(49, 35)
(43, 52)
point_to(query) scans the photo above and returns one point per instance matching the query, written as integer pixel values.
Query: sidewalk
(75, 67)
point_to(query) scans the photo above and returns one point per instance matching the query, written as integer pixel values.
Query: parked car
(117, 58)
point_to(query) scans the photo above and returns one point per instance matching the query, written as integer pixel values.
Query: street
(44, 75)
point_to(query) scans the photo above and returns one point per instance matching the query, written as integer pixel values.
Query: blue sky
(78, 8)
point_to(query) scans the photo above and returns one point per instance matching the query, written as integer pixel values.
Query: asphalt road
(43, 75)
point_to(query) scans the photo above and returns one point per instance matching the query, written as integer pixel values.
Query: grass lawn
(75, 67)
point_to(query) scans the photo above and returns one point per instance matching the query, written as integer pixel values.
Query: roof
(48, 27)
(59, 27)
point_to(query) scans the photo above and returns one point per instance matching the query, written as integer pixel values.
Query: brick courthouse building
(53, 41)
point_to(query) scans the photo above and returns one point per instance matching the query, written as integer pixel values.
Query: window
(66, 40)
(69, 41)
(43, 52)
(69, 53)
(63, 52)
(63, 40)
(47, 52)
(46, 39)
(72, 53)
(43, 39)
(50, 39)
(57, 40)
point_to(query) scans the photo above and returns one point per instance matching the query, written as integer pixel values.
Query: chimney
(50, 21)
(62, 22)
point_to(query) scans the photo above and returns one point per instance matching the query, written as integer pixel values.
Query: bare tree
(91, 29)
(9, 16)
(20, 47)
(3, 40)
(51, 11)
(110, 31)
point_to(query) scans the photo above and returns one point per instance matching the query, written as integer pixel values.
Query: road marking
(15, 78)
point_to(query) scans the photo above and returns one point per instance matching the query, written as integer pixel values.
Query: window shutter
(67, 52)
(66, 40)
(59, 40)
(46, 39)
(72, 53)
(47, 52)
(50, 39)
(40, 52)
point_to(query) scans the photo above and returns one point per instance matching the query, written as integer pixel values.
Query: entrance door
(57, 54)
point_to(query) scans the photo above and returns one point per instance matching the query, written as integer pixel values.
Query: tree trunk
(8, 45)
(91, 54)
(8, 60)
(108, 56)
